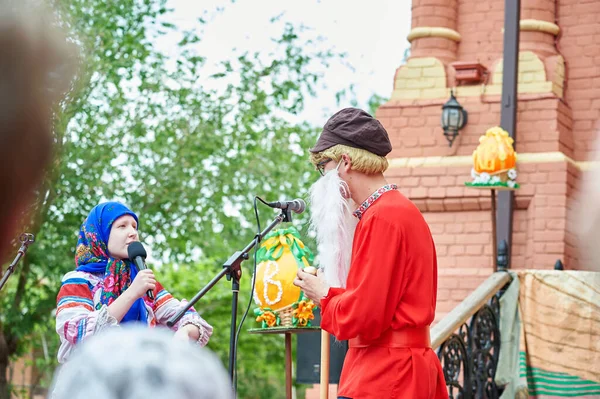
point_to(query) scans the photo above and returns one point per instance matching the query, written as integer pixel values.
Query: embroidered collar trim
(372, 198)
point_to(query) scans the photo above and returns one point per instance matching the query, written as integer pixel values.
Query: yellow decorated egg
(280, 302)
(274, 286)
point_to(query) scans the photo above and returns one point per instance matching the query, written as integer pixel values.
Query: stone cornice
(536, 25)
(432, 31)
(467, 160)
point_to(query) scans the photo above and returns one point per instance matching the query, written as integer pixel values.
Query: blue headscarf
(92, 256)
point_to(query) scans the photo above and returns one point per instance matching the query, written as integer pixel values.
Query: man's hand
(314, 287)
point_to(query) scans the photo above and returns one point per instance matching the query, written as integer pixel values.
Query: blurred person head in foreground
(133, 362)
(587, 223)
(35, 71)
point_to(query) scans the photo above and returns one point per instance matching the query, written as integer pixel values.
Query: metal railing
(468, 341)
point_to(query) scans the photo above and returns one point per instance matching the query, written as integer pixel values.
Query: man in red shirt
(378, 289)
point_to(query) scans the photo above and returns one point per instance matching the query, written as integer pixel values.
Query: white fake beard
(334, 225)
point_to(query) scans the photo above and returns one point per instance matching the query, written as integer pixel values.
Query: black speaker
(308, 356)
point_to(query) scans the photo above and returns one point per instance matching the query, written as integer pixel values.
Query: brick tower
(458, 45)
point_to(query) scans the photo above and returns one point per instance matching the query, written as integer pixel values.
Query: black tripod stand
(232, 269)
(26, 240)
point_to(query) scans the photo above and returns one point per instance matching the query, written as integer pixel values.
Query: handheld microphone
(137, 254)
(297, 205)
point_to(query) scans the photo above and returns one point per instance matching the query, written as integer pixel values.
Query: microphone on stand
(137, 255)
(297, 205)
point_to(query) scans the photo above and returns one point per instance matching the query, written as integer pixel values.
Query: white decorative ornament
(254, 294)
(271, 270)
(484, 177)
(512, 174)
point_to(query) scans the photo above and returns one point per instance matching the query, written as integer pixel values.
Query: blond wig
(362, 160)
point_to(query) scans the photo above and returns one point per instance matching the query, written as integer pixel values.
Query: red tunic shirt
(392, 284)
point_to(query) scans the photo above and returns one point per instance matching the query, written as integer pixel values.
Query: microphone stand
(232, 269)
(26, 239)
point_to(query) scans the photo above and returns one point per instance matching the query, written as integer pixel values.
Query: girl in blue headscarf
(106, 290)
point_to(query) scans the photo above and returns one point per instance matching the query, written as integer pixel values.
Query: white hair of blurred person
(36, 67)
(587, 208)
(139, 363)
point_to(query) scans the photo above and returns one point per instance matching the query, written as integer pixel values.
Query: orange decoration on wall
(495, 152)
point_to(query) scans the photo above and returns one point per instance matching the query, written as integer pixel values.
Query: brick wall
(579, 43)
(460, 220)
(557, 122)
(480, 24)
(21, 375)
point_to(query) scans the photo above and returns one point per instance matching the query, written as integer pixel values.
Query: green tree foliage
(374, 102)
